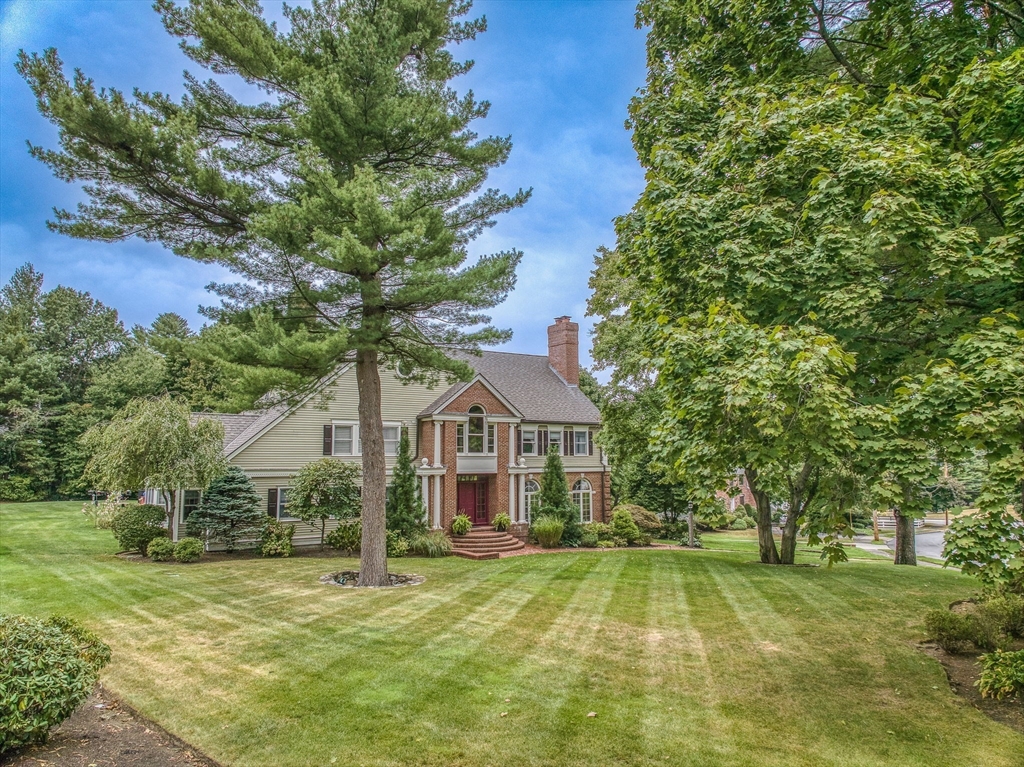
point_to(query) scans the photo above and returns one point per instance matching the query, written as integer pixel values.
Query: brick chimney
(564, 349)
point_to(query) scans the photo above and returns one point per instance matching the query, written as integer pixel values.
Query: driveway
(927, 544)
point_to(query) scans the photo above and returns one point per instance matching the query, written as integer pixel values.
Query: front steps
(483, 543)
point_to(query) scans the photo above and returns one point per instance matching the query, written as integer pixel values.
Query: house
(479, 445)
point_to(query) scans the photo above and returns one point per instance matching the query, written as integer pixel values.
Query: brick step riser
(491, 548)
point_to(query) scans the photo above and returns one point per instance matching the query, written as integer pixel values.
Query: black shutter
(519, 442)
(542, 440)
(568, 444)
(272, 502)
(590, 442)
(328, 439)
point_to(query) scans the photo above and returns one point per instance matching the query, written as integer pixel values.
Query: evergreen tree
(404, 508)
(229, 511)
(345, 201)
(555, 500)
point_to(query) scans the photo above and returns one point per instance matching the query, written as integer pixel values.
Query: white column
(425, 494)
(437, 443)
(512, 496)
(521, 479)
(437, 500)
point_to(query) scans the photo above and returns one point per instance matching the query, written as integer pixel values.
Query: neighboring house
(738, 492)
(479, 445)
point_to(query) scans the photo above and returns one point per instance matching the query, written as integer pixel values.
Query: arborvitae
(230, 510)
(404, 508)
(555, 500)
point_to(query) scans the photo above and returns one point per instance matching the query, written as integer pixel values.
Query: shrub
(1002, 675)
(589, 538)
(46, 669)
(102, 514)
(602, 529)
(644, 540)
(188, 550)
(740, 523)
(548, 531)
(433, 544)
(136, 524)
(160, 549)
(1006, 611)
(624, 528)
(19, 490)
(276, 540)
(957, 632)
(502, 522)
(396, 545)
(403, 508)
(347, 536)
(645, 520)
(606, 544)
(461, 524)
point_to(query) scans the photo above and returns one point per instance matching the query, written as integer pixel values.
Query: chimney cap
(564, 318)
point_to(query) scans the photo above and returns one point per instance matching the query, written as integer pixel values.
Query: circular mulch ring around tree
(349, 579)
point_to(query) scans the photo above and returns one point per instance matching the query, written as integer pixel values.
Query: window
(490, 438)
(282, 504)
(392, 434)
(581, 498)
(460, 437)
(475, 430)
(555, 440)
(529, 442)
(344, 440)
(531, 488)
(582, 440)
(189, 503)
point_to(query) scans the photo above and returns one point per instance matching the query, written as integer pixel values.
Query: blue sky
(558, 74)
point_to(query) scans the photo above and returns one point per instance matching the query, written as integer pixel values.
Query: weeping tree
(345, 201)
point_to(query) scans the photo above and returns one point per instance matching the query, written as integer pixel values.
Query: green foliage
(433, 544)
(609, 544)
(740, 523)
(230, 510)
(188, 550)
(502, 522)
(404, 509)
(645, 520)
(554, 499)
(1007, 611)
(325, 489)
(588, 538)
(160, 549)
(136, 524)
(276, 540)
(461, 524)
(988, 545)
(46, 669)
(548, 531)
(1002, 675)
(397, 545)
(153, 442)
(101, 514)
(347, 536)
(601, 529)
(345, 205)
(624, 528)
(960, 632)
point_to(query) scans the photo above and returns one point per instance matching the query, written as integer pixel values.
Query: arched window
(582, 495)
(475, 431)
(530, 489)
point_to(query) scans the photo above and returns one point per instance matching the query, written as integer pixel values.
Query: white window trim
(579, 503)
(528, 498)
(357, 438)
(283, 491)
(534, 431)
(489, 428)
(576, 444)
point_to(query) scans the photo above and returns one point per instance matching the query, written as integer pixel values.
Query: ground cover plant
(687, 657)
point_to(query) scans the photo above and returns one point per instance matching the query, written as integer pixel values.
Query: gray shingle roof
(529, 383)
(239, 427)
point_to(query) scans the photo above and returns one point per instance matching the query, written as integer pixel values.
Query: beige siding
(298, 438)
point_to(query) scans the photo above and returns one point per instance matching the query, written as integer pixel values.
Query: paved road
(927, 544)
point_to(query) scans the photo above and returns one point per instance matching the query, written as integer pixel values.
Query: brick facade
(477, 394)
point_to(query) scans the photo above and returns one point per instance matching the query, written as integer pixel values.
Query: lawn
(688, 658)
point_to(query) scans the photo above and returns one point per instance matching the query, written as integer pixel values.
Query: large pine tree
(344, 202)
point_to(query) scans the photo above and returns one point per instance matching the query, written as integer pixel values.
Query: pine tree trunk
(373, 559)
(906, 552)
(765, 538)
(689, 525)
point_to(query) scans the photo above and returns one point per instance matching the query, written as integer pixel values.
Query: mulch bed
(963, 671)
(104, 732)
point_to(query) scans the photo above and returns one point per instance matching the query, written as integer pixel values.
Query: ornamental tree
(345, 201)
(229, 510)
(845, 169)
(323, 490)
(405, 513)
(155, 442)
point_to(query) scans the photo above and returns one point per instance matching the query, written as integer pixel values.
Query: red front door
(473, 500)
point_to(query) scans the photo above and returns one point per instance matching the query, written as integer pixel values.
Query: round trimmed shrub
(136, 524)
(588, 539)
(188, 550)
(740, 523)
(461, 524)
(160, 549)
(624, 528)
(548, 531)
(347, 536)
(46, 669)
(646, 521)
